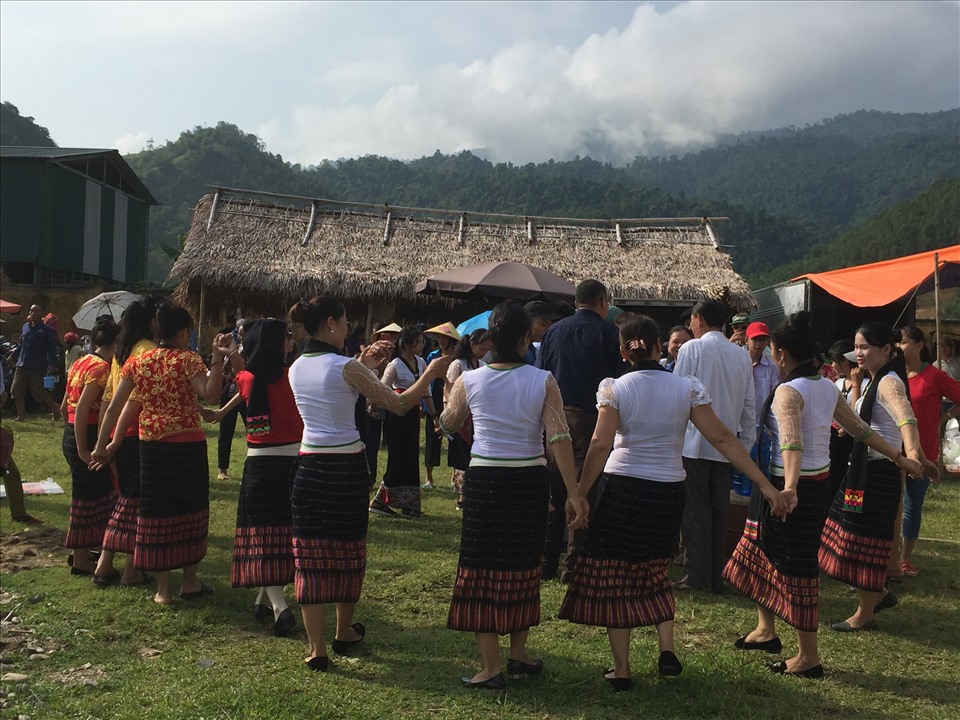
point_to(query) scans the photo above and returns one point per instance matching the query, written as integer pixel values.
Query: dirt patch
(33, 547)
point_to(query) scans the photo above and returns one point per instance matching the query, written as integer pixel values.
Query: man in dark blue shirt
(38, 355)
(580, 351)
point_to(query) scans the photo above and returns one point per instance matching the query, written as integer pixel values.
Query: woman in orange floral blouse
(93, 494)
(174, 479)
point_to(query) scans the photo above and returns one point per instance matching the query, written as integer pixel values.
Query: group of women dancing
(140, 474)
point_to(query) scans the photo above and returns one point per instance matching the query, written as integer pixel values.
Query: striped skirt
(262, 546)
(174, 505)
(855, 546)
(775, 562)
(121, 534)
(329, 510)
(497, 589)
(620, 578)
(93, 495)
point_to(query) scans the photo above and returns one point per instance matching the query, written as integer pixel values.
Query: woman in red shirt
(263, 544)
(174, 478)
(93, 495)
(927, 386)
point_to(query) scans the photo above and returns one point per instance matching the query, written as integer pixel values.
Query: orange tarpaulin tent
(885, 282)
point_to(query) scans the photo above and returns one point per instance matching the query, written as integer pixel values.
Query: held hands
(931, 470)
(779, 501)
(376, 355)
(223, 345)
(99, 458)
(209, 415)
(578, 511)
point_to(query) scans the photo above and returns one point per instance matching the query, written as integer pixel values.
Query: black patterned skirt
(620, 578)
(329, 510)
(497, 589)
(262, 545)
(855, 546)
(92, 497)
(174, 505)
(400, 487)
(121, 534)
(775, 562)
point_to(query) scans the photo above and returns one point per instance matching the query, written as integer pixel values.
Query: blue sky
(518, 81)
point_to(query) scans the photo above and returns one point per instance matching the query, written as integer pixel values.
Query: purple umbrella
(504, 280)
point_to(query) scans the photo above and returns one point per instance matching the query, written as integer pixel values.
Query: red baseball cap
(757, 329)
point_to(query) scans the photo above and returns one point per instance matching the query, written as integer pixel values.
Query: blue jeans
(915, 490)
(739, 482)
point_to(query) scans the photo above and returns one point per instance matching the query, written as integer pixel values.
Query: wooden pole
(936, 298)
(200, 321)
(368, 328)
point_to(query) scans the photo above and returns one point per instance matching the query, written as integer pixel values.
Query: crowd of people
(610, 445)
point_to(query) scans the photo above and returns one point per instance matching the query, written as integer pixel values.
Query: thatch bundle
(262, 253)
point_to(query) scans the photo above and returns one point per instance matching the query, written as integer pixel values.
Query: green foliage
(928, 221)
(16, 129)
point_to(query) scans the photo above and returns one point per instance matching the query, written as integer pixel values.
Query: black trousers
(228, 425)
(705, 521)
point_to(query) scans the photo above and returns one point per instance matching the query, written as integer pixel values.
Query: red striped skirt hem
(121, 533)
(328, 570)
(262, 556)
(618, 593)
(793, 599)
(495, 601)
(166, 543)
(88, 521)
(854, 559)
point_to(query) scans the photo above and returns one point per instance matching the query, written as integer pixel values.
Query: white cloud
(131, 142)
(673, 78)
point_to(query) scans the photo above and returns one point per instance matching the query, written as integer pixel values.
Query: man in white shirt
(727, 374)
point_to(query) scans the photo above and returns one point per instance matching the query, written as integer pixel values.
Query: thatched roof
(242, 244)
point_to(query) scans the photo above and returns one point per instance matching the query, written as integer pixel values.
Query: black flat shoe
(770, 646)
(78, 571)
(105, 581)
(284, 624)
(888, 601)
(319, 664)
(494, 683)
(844, 626)
(618, 684)
(780, 668)
(518, 669)
(342, 647)
(669, 665)
(262, 612)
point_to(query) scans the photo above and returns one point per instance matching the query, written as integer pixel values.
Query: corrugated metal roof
(58, 154)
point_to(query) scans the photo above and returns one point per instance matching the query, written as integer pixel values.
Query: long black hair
(879, 334)
(407, 339)
(313, 313)
(509, 324)
(917, 335)
(796, 336)
(464, 349)
(136, 325)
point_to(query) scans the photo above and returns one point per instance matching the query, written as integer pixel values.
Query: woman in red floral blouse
(174, 479)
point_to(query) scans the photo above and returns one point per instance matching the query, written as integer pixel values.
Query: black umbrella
(504, 280)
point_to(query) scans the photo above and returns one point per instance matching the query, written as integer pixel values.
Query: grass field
(112, 654)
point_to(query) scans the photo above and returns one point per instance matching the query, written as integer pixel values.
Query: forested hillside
(16, 129)
(789, 193)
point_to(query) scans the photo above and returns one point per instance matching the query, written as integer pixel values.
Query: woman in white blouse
(857, 537)
(775, 563)
(497, 589)
(620, 580)
(329, 494)
(466, 357)
(400, 487)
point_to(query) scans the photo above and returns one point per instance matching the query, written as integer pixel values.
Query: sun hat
(391, 328)
(446, 329)
(758, 329)
(850, 356)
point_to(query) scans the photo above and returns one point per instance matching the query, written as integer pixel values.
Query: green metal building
(72, 215)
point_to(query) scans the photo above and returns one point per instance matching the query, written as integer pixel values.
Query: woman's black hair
(638, 336)
(680, 328)
(917, 335)
(105, 332)
(407, 339)
(136, 325)
(313, 313)
(796, 336)
(509, 324)
(464, 349)
(840, 348)
(171, 319)
(879, 334)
